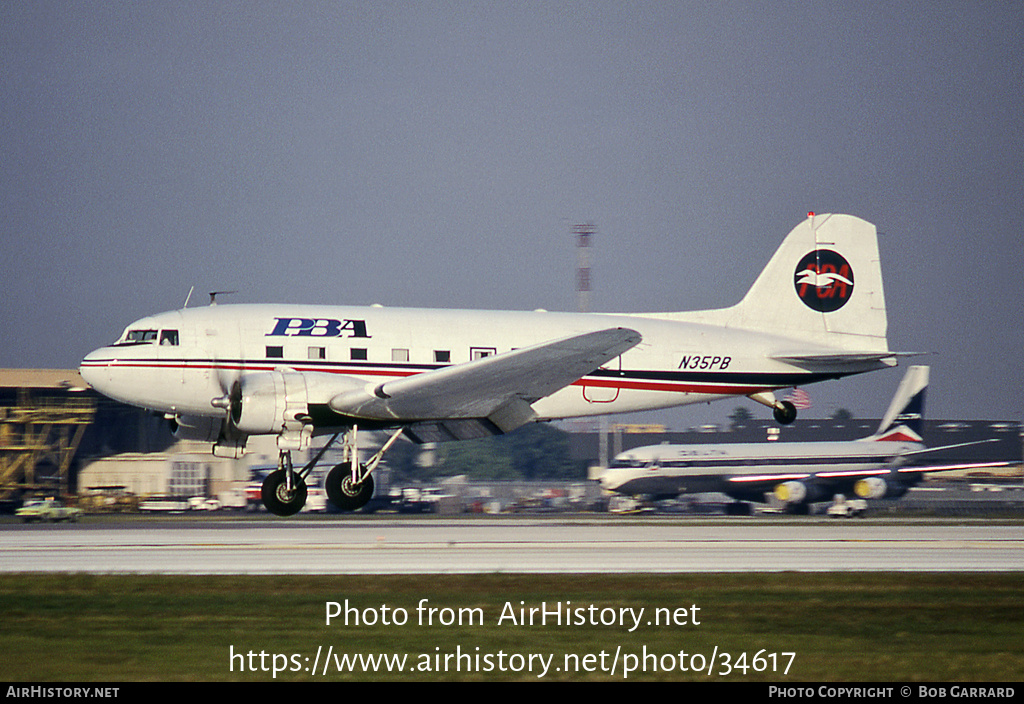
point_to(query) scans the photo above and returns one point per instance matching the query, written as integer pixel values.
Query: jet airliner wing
(499, 388)
(910, 462)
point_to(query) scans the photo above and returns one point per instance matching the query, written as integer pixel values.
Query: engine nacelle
(268, 402)
(794, 492)
(878, 488)
(791, 492)
(199, 428)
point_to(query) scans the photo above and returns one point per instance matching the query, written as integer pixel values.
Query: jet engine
(794, 492)
(879, 488)
(791, 492)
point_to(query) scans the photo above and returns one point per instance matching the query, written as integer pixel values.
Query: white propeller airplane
(225, 372)
(883, 465)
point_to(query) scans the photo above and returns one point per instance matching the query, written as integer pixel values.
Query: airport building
(58, 437)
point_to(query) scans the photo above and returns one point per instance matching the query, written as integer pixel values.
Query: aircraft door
(183, 353)
(600, 387)
(169, 352)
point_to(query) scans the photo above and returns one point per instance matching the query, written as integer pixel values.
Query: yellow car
(47, 510)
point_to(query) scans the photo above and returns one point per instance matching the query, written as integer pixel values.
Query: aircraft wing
(943, 448)
(916, 462)
(498, 388)
(952, 466)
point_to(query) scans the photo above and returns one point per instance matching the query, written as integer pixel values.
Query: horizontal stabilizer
(833, 358)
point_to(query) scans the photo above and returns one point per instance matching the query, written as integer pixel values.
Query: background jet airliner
(883, 465)
(225, 372)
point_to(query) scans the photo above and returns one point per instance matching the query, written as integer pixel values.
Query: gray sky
(438, 154)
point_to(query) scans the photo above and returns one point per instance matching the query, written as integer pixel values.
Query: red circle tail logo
(824, 280)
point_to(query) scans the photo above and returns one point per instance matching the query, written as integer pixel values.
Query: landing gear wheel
(345, 494)
(785, 413)
(278, 499)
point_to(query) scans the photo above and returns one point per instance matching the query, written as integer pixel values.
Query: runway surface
(542, 545)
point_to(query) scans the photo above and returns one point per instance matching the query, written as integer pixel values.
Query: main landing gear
(344, 491)
(348, 487)
(284, 491)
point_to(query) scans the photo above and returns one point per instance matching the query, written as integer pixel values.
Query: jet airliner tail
(903, 420)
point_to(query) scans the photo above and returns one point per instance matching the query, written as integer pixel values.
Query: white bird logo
(809, 277)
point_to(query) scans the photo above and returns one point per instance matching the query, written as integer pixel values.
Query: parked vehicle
(47, 510)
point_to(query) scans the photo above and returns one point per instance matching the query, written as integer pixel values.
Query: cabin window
(481, 352)
(358, 353)
(169, 337)
(317, 353)
(275, 352)
(442, 356)
(399, 355)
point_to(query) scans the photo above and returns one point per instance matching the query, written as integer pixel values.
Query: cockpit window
(140, 337)
(149, 337)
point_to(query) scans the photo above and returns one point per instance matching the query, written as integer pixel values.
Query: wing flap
(499, 388)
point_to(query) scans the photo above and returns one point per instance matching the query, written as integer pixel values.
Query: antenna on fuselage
(189, 296)
(214, 294)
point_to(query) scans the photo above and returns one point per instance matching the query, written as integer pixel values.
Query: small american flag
(799, 398)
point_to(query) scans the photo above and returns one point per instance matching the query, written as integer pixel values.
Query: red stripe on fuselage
(718, 388)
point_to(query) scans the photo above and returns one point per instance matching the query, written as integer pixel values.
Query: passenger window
(275, 352)
(442, 356)
(481, 352)
(399, 355)
(317, 353)
(357, 353)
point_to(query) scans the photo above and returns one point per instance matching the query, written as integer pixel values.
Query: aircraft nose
(94, 369)
(607, 479)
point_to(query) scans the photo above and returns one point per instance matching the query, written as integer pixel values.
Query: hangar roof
(68, 379)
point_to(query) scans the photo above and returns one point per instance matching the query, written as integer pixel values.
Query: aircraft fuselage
(177, 362)
(741, 469)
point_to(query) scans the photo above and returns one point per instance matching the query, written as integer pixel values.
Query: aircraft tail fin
(823, 286)
(903, 420)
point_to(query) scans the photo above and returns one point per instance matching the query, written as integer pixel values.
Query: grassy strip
(842, 626)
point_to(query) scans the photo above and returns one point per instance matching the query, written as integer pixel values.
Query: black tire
(278, 499)
(345, 495)
(785, 414)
